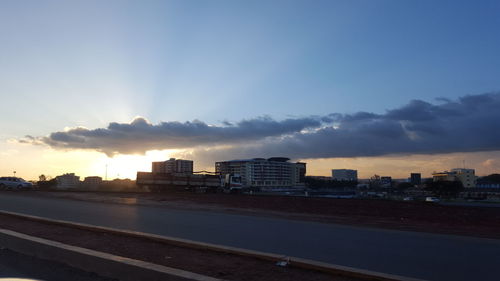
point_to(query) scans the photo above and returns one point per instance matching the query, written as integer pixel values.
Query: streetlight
(14, 173)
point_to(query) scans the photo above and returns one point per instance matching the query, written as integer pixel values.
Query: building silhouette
(344, 175)
(172, 166)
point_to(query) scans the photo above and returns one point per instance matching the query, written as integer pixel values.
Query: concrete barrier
(104, 264)
(294, 261)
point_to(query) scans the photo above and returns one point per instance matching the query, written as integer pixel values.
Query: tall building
(173, 166)
(300, 172)
(274, 172)
(415, 178)
(344, 175)
(466, 176)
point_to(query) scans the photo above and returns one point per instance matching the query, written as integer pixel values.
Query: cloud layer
(140, 135)
(468, 124)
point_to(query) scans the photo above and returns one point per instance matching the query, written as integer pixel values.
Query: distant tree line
(493, 178)
(47, 184)
(316, 183)
(446, 189)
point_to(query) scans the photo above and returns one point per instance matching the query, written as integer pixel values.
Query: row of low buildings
(274, 173)
(466, 176)
(262, 173)
(72, 181)
(279, 172)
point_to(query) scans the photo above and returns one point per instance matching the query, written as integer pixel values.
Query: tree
(328, 183)
(46, 185)
(404, 185)
(375, 181)
(493, 178)
(444, 188)
(42, 177)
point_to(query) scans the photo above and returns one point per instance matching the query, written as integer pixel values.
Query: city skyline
(382, 87)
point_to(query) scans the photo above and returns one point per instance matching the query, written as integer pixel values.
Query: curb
(104, 264)
(294, 261)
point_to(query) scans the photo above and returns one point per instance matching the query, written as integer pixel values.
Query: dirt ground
(211, 263)
(401, 215)
(16, 265)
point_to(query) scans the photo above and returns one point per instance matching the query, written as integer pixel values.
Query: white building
(466, 176)
(68, 181)
(173, 166)
(344, 175)
(275, 172)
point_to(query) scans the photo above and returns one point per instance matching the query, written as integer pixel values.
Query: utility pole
(106, 173)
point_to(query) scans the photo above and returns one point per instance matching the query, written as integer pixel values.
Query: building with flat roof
(274, 172)
(344, 175)
(172, 166)
(416, 178)
(68, 181)
(466, 176)
(92, 182)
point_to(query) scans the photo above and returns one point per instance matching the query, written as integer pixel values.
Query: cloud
(490, 163)
(140, 135)
(467, 124)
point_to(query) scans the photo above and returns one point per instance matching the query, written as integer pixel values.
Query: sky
(386, 87)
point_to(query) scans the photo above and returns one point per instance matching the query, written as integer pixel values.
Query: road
(412, 254)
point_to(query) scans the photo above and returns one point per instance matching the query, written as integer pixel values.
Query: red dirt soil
(207, 262)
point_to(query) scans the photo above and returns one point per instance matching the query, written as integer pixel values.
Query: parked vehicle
(13, 183)
(431, 199)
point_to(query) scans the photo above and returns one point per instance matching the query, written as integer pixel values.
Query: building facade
(92, 182)
(344, 175)
(173, 166)
(275, 172)
(68, 181)
(416, 178)
(466, 176)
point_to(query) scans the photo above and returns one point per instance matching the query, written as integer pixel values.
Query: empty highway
(412, 254)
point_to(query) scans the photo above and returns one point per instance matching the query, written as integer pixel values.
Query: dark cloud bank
(469, 124)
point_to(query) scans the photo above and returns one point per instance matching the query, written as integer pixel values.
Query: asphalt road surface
(411, 254)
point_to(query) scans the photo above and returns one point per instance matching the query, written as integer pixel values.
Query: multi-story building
(344, 175)
(416, 178)
(300, 172)
(173, 166)
(466, 176)
(92, 182)
(68, 181)
(275, 172)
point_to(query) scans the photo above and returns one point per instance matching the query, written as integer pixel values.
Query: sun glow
(126, 166)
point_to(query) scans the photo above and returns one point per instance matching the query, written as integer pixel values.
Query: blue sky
(89, 63)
